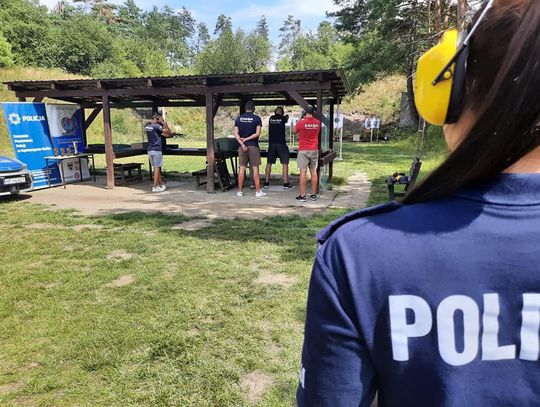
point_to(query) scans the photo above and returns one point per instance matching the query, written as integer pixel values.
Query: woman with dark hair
(452, 317)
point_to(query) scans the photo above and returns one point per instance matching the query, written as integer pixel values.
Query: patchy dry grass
(134, 312)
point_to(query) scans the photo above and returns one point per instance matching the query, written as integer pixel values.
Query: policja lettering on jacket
(478, 337)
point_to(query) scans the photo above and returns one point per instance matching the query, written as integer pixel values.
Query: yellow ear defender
(433, 101)
(441, 76)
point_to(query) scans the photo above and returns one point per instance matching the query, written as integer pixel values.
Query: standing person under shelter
(277, 147)
(155, 130)
(308, 129)
(247, 130)
(452, 318)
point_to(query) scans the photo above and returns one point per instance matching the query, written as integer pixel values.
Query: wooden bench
(199, 175)
(408, 181)
(224, 149)
(124, 172)
(221, 176)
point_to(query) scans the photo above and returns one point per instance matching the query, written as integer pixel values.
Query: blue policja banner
(29, 133)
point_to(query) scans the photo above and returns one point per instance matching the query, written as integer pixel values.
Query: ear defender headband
(441, 76)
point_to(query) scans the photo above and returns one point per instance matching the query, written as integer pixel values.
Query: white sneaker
(239, 193)
(163, 187)
(157, 189)
(260, 194)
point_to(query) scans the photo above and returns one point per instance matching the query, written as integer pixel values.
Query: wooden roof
(263, 88)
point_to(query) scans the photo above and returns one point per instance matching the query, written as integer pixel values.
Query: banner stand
(30, 137)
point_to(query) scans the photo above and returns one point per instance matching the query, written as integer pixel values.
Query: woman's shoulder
(345, 221)
(393, 221)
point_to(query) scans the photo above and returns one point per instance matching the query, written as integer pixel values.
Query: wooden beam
(239, 96)
(210, 141)
(180, 103)
(91, 118)
(304, 104)
(195, 90)
(109, 152)
(70, 100)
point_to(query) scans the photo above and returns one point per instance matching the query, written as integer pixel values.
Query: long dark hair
(503, 91)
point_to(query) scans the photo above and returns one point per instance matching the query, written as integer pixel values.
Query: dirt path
(182, 197)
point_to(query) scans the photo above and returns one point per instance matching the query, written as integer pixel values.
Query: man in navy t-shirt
(155, 131)
(277, 147)
(247, 130)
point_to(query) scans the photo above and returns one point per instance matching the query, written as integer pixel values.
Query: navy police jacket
(433, 304)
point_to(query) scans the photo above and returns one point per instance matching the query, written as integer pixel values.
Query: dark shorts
(252, 155)
(278, 150)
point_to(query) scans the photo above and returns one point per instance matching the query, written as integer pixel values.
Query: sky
(244, 13)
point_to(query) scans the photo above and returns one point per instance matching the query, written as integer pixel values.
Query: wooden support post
(331, 135)
(461, 14)
(38, 99)
(83, 119)
(210, 141)
(320, 116)
(438, 17)
(109, 152)
(331, 128)
(22, 99)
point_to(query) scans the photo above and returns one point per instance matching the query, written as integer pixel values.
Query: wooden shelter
(324, 88)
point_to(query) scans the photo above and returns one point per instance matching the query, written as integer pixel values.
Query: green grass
(191, 324)
(381, 160)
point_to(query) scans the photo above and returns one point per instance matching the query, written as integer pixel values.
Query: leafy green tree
(236, 52)
(226, 54)
(29, 29)
(170, 31)
(291, 30)
(64, 9)
(130, 19)
(203, 37)
(259, 48)
(301, 50)
(85, 43)
(224, 23)
(105, 10)
(388, 35)
(6, 57)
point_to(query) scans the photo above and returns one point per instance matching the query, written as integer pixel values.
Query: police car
(14, 176)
